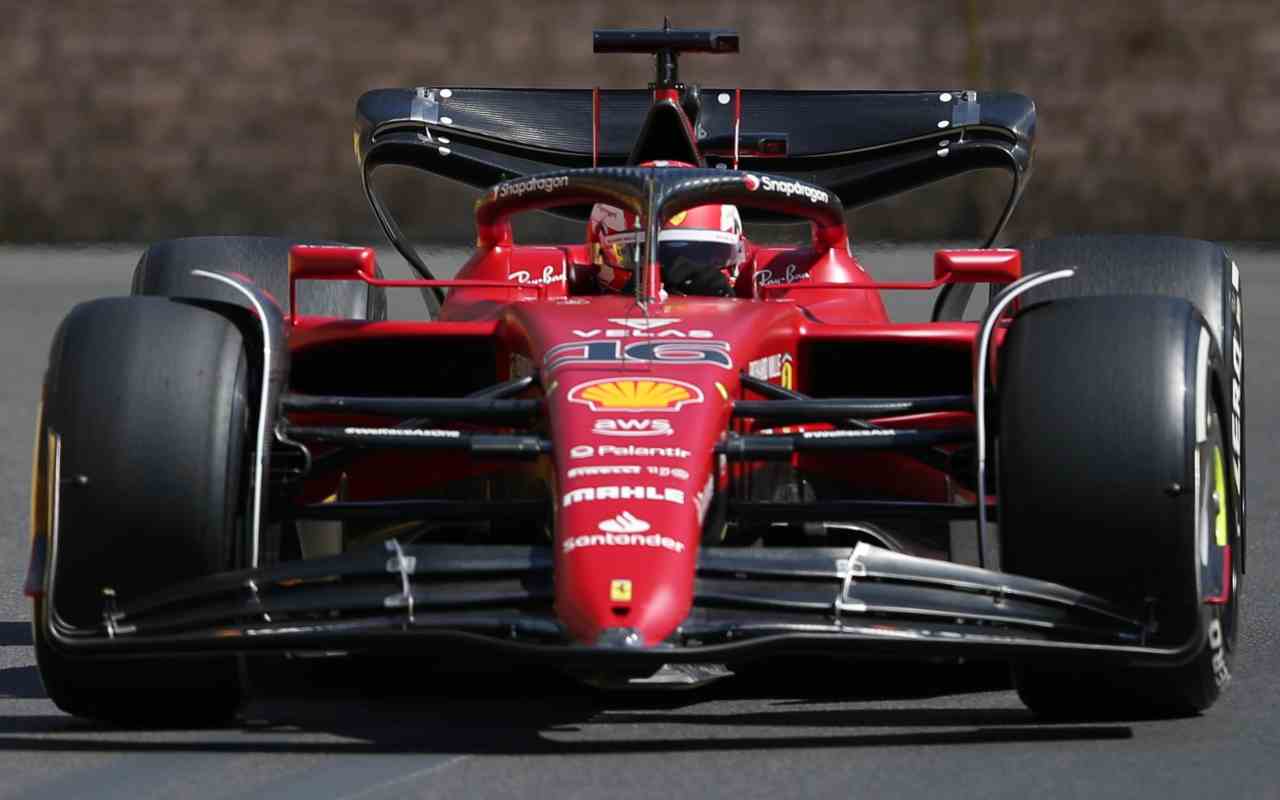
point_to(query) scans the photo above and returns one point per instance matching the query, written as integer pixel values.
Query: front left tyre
(1113, 475)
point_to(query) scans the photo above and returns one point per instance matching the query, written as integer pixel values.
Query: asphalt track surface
(326, 731)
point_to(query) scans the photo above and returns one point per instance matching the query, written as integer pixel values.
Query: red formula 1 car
(661, 453)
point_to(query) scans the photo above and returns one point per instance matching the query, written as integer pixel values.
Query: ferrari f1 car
(663, 478)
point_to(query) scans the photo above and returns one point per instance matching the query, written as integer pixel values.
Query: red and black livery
(246, 455)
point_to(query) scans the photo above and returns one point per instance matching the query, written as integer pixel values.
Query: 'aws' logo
(633, 427)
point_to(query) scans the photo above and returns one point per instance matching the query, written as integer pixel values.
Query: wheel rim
(1224, 540)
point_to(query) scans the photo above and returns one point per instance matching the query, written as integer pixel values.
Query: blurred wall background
(138, 119)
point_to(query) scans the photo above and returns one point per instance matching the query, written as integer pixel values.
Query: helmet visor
(702, 255)
(712, 250)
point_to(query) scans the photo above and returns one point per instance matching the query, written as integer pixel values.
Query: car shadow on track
(401, 710)
(15, 634)
(22, 683)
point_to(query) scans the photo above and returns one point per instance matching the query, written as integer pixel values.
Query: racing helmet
(700, 250)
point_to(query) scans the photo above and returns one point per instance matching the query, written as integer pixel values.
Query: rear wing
(861, 145)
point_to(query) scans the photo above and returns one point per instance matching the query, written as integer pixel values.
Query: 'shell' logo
(626, 394)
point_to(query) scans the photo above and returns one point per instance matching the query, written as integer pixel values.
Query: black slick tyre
(1197, 271)
(1112, 480)
(147, 415)
(165, 270)
(1200, 272)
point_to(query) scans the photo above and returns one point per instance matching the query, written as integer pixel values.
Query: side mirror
(328, 262)
(978, 266)
(332, 262)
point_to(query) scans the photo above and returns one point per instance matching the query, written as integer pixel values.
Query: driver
(700, 250)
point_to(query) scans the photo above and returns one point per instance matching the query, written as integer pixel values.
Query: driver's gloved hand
(684, 276)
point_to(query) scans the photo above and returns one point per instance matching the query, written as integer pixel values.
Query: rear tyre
(1200, 272)
(1113, 481)
(1196, 271)
(165, 270)
(146, 408)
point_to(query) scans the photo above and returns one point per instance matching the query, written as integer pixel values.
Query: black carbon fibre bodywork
(673, 191)
(862, 602)
(861, 145)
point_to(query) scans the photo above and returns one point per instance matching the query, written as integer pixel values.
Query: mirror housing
(328, 262)
(332, 262)
(1003, 265)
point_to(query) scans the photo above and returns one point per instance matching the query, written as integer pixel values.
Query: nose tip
(640, 610)
(620, 637)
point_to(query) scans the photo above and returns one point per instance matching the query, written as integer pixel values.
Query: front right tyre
(146, 422)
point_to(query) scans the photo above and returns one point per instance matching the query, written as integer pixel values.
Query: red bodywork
(637, 397)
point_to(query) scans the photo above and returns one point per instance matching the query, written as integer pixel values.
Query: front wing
(861, 602)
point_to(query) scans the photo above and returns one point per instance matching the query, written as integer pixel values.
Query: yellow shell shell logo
(627, 394)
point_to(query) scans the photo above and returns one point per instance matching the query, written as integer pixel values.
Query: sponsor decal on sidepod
(776, 366)
(549, 276)
(702, 500)
(792, 274)
(767, 367)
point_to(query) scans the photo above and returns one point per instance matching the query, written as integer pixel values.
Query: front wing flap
(862, 602)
